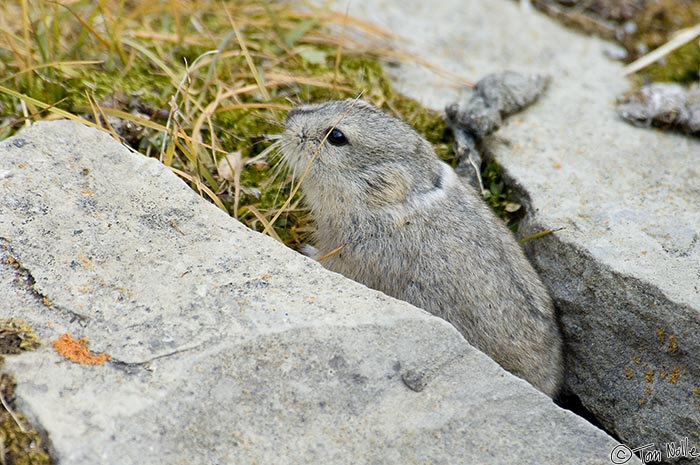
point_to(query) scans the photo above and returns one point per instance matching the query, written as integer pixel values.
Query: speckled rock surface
(226, 346)
(625, 270)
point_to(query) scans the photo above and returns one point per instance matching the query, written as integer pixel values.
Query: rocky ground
(210, 343)
(220, 345)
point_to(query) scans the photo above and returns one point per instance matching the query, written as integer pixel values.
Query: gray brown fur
(411, 229)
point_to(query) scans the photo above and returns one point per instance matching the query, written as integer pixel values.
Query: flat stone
(625, 270)
(226, 346)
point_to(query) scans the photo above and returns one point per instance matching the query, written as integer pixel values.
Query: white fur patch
(425, 200)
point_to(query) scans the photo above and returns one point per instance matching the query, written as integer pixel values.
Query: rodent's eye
(336, 137)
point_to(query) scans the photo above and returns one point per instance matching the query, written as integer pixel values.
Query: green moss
(499, 195)
(682, 65)
(22, 445)
(16, 336)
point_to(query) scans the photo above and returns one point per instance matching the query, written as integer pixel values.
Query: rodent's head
(368, 156)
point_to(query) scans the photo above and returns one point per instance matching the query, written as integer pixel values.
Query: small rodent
(406, 225)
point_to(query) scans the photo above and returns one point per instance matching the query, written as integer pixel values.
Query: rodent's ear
(387, 185)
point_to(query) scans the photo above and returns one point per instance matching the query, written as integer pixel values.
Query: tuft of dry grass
(198, 84)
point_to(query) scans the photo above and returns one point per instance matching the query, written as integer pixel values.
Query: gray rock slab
(625, 270)
(228, 347)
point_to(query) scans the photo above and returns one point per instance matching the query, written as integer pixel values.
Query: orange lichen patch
(77, 350)
(46, 301)
(87, 192)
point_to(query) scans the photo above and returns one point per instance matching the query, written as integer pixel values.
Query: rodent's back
(456, 260)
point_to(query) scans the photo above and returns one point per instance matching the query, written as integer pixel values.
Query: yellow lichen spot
(696, 391)
(649, 376)
(648, 390)
(78, 351)
(643, 401)
(87, 192)
(675, 374)
(12, 261)
(87, 263)
(46, 301)
(629, 373)
(663, 375)
(672, 345)
(636, 359)
(661, 334)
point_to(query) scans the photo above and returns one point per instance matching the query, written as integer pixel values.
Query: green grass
(197, 84)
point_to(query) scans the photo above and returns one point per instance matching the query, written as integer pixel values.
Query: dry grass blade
(341, 44)
(12, 414)
(263, 220)
(331, 253)
(27, 31)
(539, 234)
(248, 59)
(48, 107)
(53, 64)
(212, 196)
(681, 38)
